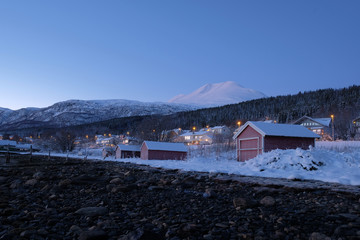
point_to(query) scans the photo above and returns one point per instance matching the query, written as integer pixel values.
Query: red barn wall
(249, 138)
(276, 142)
(165, 155)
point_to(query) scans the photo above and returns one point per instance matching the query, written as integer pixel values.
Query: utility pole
(332, 127)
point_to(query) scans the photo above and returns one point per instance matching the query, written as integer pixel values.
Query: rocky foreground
(76, 199)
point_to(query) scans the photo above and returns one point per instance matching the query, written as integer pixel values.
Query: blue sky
(53, 51)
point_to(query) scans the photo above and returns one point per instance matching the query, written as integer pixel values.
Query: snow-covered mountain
(74, 112)
(218, 94)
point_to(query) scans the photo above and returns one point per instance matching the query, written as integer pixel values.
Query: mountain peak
(217, 94)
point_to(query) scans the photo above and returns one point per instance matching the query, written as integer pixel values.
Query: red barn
(163, 151)
(254, 138)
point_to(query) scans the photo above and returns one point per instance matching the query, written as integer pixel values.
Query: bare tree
(64, 140)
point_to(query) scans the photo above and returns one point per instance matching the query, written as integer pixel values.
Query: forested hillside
(343, 103)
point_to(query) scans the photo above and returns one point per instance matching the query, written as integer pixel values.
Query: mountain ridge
(74, 112)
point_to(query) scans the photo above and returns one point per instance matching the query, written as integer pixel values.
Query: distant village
(248, 140)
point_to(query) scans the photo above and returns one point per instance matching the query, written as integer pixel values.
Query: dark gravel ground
(78, 199)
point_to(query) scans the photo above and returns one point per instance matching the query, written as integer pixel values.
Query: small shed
(163, 151)
(255, 138)
(127, 151)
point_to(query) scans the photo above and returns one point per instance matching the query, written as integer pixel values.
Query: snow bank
(340, 146)
(316, 164)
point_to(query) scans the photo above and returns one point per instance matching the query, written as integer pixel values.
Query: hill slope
(75, 112)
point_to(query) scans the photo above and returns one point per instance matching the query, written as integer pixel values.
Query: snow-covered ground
(339, 146)
(337, 162)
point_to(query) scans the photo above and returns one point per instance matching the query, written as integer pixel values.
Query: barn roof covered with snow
(284, 130)
(165, 146)
(131, 148)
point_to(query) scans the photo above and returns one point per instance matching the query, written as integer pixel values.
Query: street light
(238, 123)
(194, 128)
(332, 127)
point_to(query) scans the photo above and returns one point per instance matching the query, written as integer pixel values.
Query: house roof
(218, 127)
(132, 148)
(7, 142)
(199, 133)
(165, 146)
(284, 130)
(322, 121)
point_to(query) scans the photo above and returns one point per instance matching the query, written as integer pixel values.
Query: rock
(141, 234)
(209, 194)
(318, 236)
(38, 175)
(75, 229)
(267, 201)
(15, 184)
(3, 179)
(351, 217)
(345, 230)
(64, 182)
(84, 179)
(31, 182)
(42, 232)
(189, 181)
(93, 235)
(221, 225)
(116, 181)
(92, 211)
(243, 203)
(27, 233)
(175, 181)
(8, 211)
(152, 188)
(124, 188)
(130, 178)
